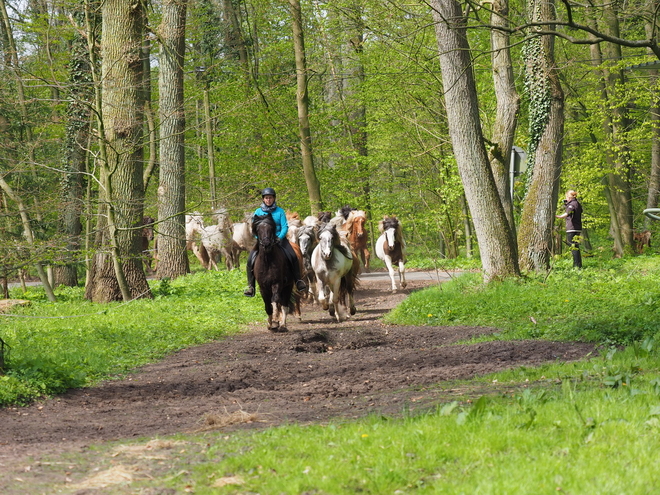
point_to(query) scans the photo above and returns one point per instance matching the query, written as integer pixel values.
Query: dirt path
(317, 371)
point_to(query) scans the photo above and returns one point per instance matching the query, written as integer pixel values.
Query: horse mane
(392, 222)
(345, 211)
(339, 239)
(324, 216)
(308, 229)
(292, 215)
(259, 219)
(221, 217)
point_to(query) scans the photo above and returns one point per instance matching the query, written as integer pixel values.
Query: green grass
(73, 342)
(588, 427)
(617, 304)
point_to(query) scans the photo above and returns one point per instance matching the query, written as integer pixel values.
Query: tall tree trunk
(619, 178)
(496, 242)
(117, 267)
(172, 257)
(508, 104)
(210, 147)
(302, 97)
(77, 140)
(357, 118)
(148, 112)
(546, 135)
(653, 195)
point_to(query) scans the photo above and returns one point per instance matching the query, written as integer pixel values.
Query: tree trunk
(117, 267)
(535, 237)
(302, 97)
(357, 119)
(654, 177)
(172, 257)
(77, 140)
(619, 178)
(508, 104)
(210, 149)
(496, 242)
(148, 113)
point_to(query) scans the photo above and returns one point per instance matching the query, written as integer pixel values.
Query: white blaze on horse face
(389, 235)
(303, 241)
(325, 244)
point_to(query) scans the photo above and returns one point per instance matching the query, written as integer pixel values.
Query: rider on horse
(282, 226)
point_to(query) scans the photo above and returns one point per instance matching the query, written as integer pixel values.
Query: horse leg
(320, 287)
(365, 259)
(402, 274)
(335, 302)
(274, 318)
(390, 269)
(351, 302)
(284, 311)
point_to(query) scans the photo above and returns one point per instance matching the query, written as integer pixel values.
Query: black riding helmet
(269, 191)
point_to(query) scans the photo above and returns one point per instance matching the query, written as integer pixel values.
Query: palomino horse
(273, 274)
(336, 272)
(391, 248)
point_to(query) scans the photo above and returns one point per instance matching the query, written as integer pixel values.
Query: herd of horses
(332, 251)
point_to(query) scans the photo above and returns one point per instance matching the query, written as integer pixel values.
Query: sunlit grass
(619, 304)
(73, 342)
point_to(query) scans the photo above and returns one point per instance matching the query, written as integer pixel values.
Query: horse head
(328, 239)
(263, 227)
(359, 222)
(391, 227)
(307, 239)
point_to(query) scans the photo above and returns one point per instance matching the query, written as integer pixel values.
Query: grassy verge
(618, 303)
(46, 355)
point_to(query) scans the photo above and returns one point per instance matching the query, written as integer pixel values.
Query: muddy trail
(318, 371)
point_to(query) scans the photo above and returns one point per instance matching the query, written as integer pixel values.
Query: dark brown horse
(273, 274)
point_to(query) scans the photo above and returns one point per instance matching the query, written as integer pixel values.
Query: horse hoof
(353, 310)
(279, 329)
(331, 310)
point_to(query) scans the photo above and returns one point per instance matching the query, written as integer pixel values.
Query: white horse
(194, 221)
(216, 240)
(336, 272)
(242, 239)
(391, 248)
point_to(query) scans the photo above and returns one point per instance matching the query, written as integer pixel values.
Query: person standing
(573, 216)
(282, 226)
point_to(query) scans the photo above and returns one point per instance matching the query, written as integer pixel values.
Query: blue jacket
(279, 215)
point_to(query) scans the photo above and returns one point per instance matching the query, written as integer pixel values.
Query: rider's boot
(249, 290)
